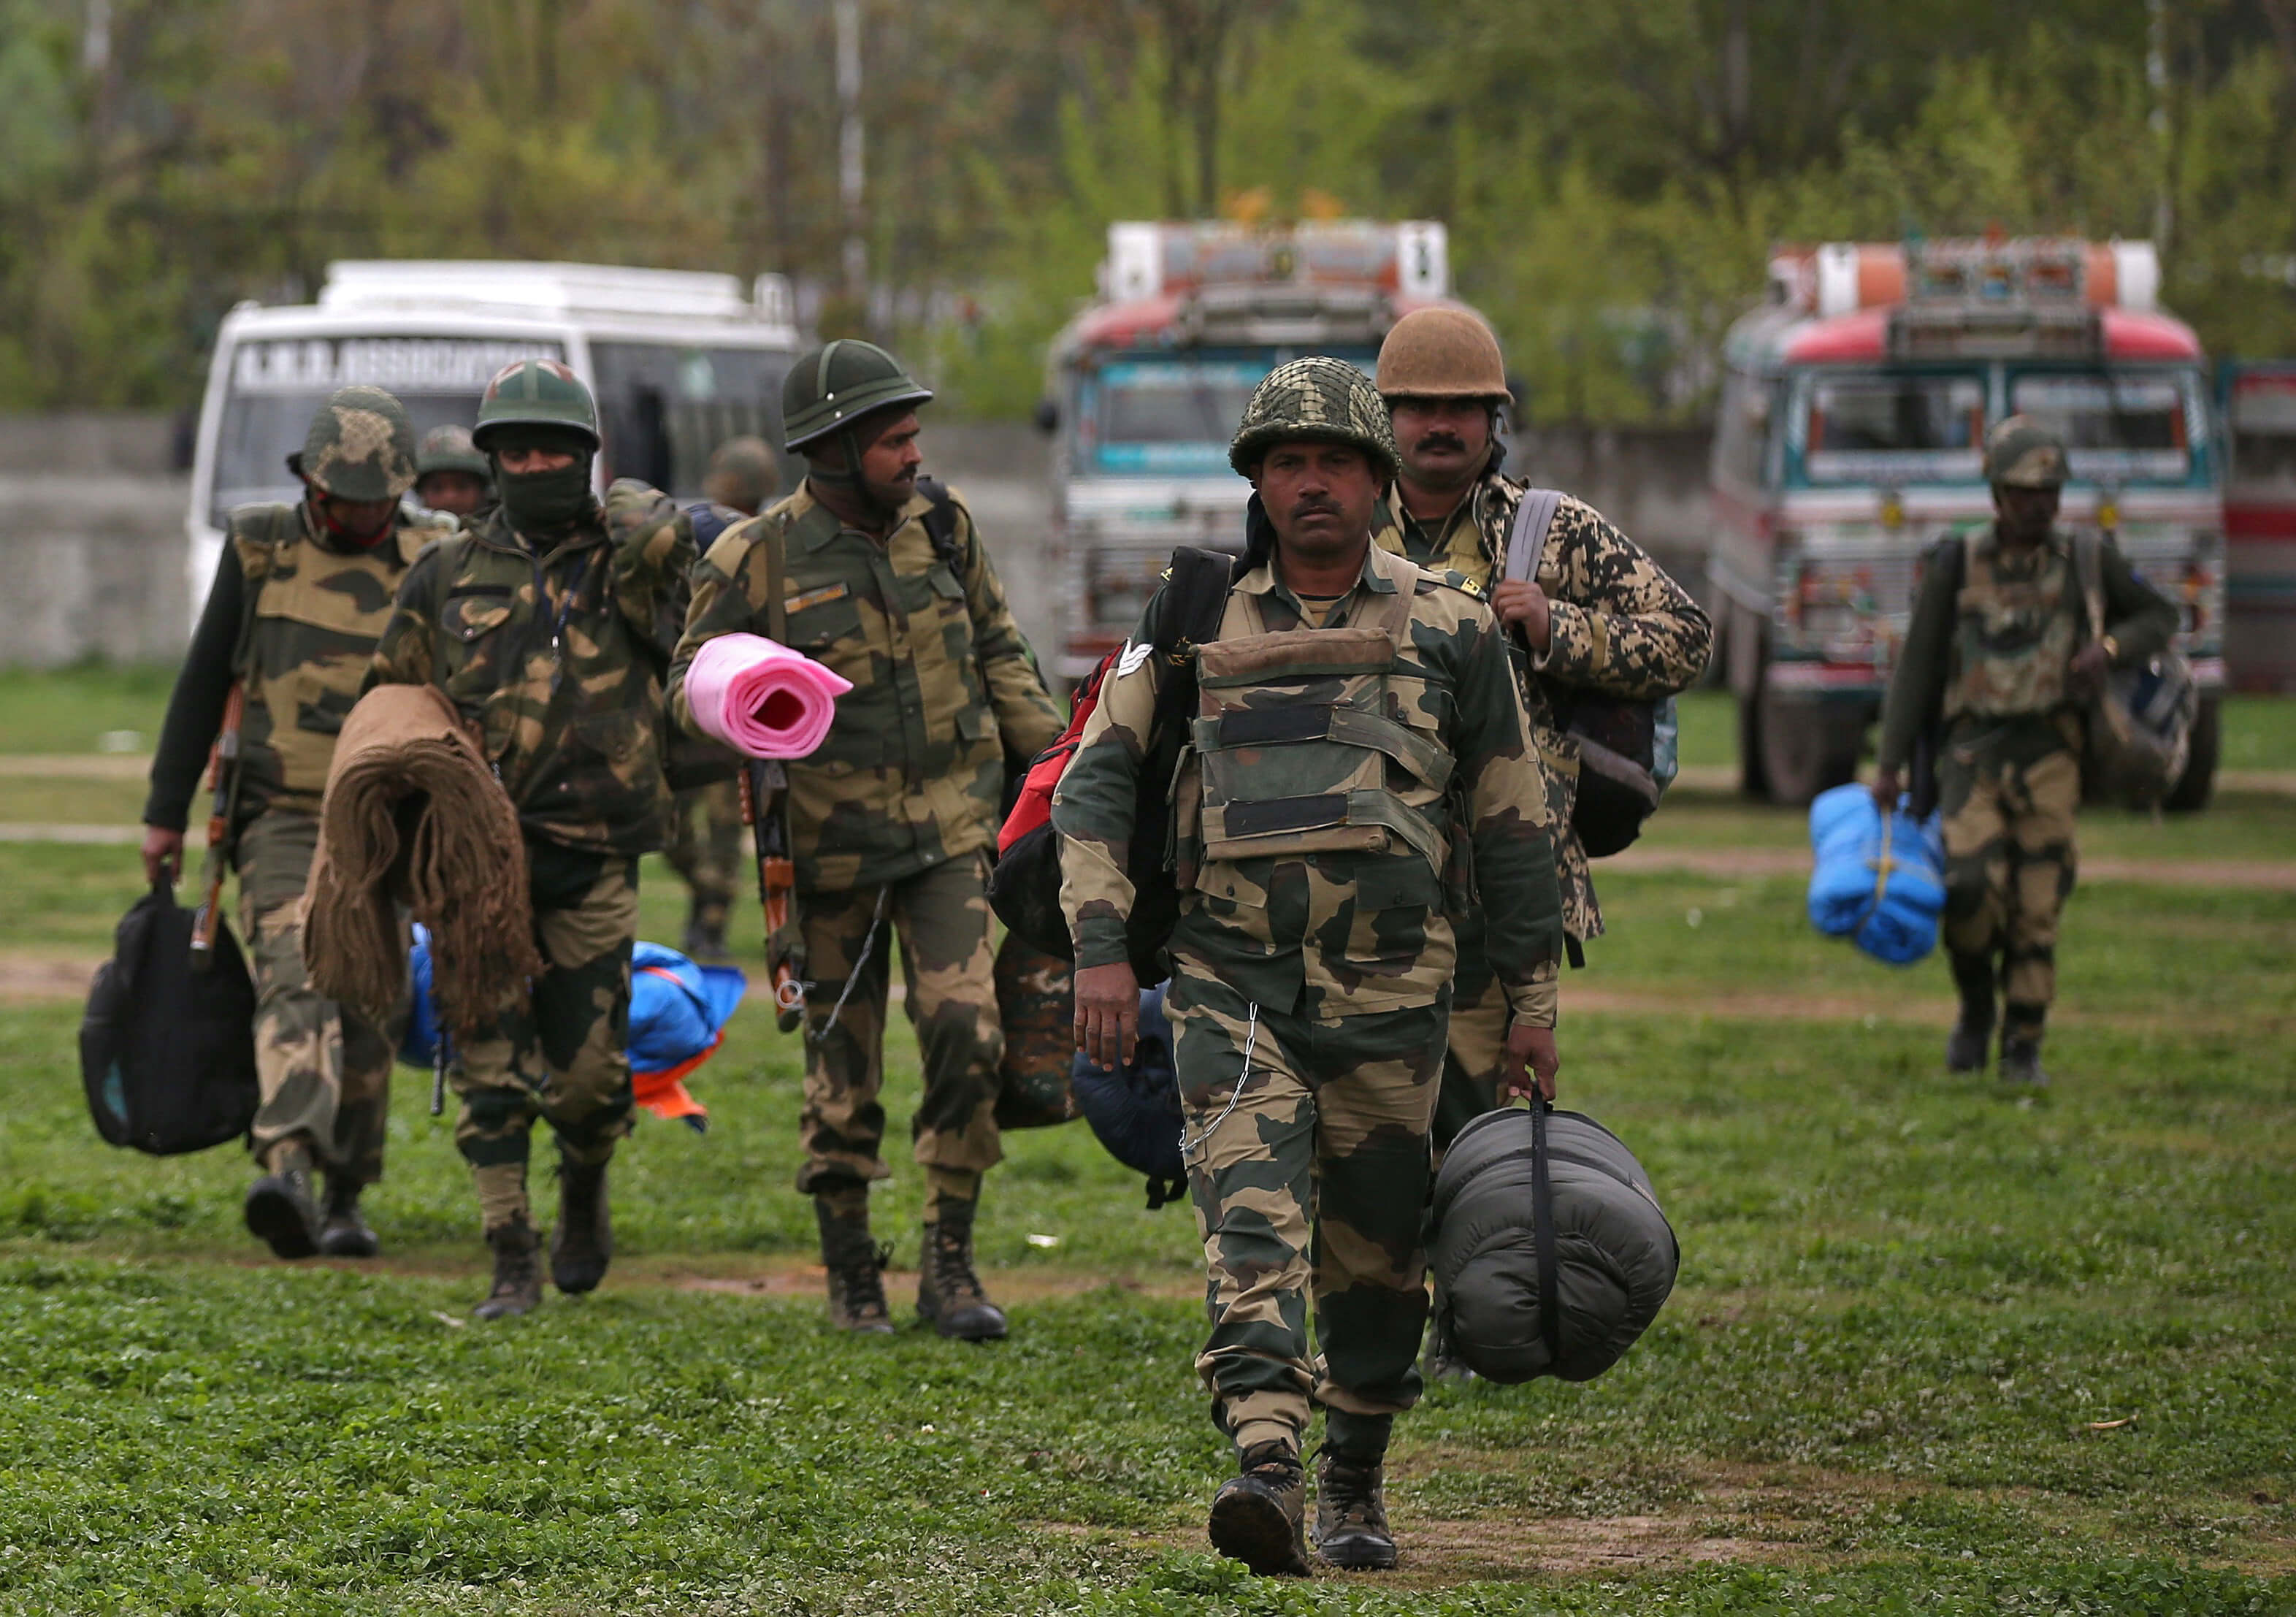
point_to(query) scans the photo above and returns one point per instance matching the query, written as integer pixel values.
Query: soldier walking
(546, 624)
(301, 597)
(1998, 655)
(1357, 717)
(883, 579)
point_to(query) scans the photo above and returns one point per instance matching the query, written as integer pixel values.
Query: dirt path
(1734, 864)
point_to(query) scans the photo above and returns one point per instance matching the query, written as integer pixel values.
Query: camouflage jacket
(1339, 933)
(946, 691)
(556, 661)
(1620, 626)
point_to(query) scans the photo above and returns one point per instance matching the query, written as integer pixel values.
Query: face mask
(545, 502)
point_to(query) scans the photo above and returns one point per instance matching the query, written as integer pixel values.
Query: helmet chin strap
(848, 478)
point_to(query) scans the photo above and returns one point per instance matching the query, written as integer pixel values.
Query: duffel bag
(1876, 879)
(1134, 1111)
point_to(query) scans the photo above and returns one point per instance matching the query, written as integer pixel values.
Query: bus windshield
(2114, 426)
(1171, 415)
(1881, 426)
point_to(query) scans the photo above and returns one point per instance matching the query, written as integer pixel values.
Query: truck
(2259, 399)
(1851, 435)
(680, 360)
(1146, 386)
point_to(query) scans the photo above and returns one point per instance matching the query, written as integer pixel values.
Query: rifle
(765, 784)
(222, 778)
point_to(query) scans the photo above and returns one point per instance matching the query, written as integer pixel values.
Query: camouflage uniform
(704, 848)
(554, 662)
(891, 818)
(1311, 980)
(1622, 627)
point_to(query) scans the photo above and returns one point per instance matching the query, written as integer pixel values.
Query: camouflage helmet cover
(361, 447)
(535, 393)
(1442, 351)
(449, 449)
(2020, 453)
(1314, 397)
(742, 473)
(837, 383)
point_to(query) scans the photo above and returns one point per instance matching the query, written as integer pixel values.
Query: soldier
(1600, 616)
(547, 623)
(451, 476)
(1998, 652)
(882, 577)
(704, 845)
(300, 596)
(1359, 716)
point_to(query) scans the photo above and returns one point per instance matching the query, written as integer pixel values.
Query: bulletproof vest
(2013, 636)
(1314, 741)
(315, 617)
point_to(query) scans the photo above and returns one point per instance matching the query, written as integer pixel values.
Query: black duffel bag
(1550, 1253)
(167, 1052)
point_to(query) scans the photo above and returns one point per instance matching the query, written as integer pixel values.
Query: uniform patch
(1134, 656)
(818, 597)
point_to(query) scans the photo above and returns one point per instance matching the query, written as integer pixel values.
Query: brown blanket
(413, 818)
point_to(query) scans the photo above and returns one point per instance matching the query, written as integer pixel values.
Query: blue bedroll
(1878, 881)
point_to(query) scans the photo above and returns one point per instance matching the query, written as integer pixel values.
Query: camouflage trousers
(1307, 1161)
(323, 1069)
(1481, 1016)
(941, 919)
(561, 1053)
(703, 846)
(2009, 790)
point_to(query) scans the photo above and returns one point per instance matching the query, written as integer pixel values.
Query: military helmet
(1316, 397)
(742, 473)
(2021, 453)
(837, 383)
(449, 449)
(535, 393)
(361, 447)
(1442, 351)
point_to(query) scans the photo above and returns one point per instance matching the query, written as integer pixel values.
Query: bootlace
(952, 1265)
(1350, 1492)
(860, 1277)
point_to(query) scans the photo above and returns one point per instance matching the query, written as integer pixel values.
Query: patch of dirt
(1502, 1548)
(1030, 1284)
(28, 977)
(1917, 1010)
(1739, 864)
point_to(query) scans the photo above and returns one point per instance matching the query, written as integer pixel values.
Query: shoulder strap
(1534, 516)
(2089, 570)
(940, 521)
(1196, 597)
(1542, 1229)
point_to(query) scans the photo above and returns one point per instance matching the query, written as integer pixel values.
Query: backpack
(167, 1052)
(1025, 887)
(2140, 725)
(1626, 757)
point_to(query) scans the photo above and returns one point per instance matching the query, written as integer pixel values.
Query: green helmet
(361, 447)
(2020, 453)
(837, 383)
(449, 449)
(535, 393)
(1316, 397)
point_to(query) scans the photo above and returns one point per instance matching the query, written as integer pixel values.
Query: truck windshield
(2114, 426)
(665, 406)
(2263, 411)
(1171, 415)
(276, 384)
(1883, 427)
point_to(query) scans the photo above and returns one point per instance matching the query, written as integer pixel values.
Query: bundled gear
(1877, 879)
(360, 446)
(1134, 1111)
(1550, 1253)
(1443, 351)
(2140, 723)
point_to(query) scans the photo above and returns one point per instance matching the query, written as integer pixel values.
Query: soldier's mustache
(1315, 507)
(1441, 440)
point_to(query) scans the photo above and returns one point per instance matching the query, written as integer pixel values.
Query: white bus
(680, 361)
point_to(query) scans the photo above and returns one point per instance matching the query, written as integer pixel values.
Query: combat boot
(584, 1241)
(347, 1234)
(1972, 1034)
(280, 1206)
(517, 1272)
(705, 931)
(2021, 1063)
(857, 1268)
(949, 1294)
(1351, 1513)
(1260, 1516)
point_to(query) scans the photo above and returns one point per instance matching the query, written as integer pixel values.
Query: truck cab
(1850, 437)
(1145, 388)
(2260, 411)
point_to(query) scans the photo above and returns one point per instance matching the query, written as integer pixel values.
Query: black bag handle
(1542, 1224)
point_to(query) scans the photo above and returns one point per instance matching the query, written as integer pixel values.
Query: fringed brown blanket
(413, 818)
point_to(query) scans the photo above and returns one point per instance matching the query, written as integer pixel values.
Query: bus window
(2113, 426)
(1884, 427)
(663, 407)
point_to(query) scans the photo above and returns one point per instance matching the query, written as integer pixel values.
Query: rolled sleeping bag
(1879, 881)
(760, 698)
(1550, 1253)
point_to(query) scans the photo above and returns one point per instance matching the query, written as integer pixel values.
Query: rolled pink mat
(760, 698)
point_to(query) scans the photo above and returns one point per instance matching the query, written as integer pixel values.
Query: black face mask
(546, 503)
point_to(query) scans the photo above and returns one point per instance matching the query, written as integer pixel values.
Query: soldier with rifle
(300, 599)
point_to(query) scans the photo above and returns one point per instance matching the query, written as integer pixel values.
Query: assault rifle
(765, 810)
(222, 778)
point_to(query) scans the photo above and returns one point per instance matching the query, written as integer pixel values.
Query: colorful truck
(2260, 409)
(1852, 420)
(1146, 385)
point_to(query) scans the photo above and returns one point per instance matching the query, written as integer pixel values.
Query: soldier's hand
(2090, 665)
(163, 855)
(1532, 1048)
(1521, 605)
(1107, 1013)
(1886, 787)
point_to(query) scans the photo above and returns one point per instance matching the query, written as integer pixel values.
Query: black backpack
(167, 1052)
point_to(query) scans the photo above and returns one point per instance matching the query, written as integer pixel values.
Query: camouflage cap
(449, 449)
(1316, 396)
(2020, 453)
(742, 473)
(361, 447)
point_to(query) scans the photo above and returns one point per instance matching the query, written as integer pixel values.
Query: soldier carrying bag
(2140, 723)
